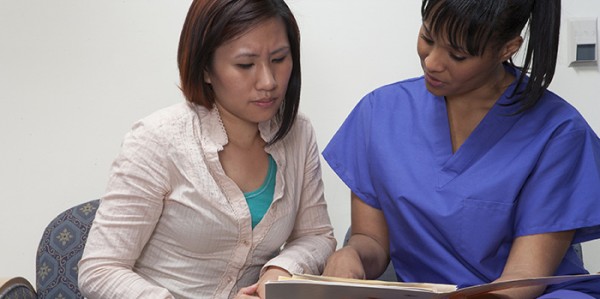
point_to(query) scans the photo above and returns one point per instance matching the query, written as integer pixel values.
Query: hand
(272, 273)
(345, 263)
(257, 290)
(248, 292)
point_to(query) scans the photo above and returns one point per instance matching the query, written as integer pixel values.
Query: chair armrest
(16, 287)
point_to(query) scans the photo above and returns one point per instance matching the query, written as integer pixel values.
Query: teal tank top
(260, 199)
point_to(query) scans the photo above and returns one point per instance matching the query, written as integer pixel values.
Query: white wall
(75, 74)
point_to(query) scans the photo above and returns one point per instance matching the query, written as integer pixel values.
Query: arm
(125, 221)
(564, 183)
(533, 256)
(367, 253)
(311, 239)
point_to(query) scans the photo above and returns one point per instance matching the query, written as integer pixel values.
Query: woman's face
(250, 74)
(451, 72)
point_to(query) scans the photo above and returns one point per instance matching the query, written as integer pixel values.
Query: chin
(435, 91)
(266, 116)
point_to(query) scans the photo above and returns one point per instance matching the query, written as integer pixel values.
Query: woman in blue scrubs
(473, 172)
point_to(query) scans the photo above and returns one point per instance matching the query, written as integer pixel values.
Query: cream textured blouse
(173, 225)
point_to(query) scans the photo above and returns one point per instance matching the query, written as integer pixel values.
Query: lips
(265, 102)
(433, 81)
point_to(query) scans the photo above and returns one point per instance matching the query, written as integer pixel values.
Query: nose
(433, 61)
(266, 78)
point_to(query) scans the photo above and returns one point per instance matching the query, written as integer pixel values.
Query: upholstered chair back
(17, 288)
(60, 249)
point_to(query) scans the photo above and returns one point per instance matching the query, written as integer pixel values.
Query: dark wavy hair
(474, 25)
(211, 23)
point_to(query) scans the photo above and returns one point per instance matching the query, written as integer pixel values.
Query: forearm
(514, 293)
(373, 257)
(97, 280)
(533, 256)
(306, 254)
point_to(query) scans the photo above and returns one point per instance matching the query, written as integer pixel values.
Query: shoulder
(399, 100)
(552, 112)
(407, 86)
(557, 114)
(399, 93)
(169, 115)
(302, 130)
(169, 118)
(554, 124)
(302, 121)
(166, 121)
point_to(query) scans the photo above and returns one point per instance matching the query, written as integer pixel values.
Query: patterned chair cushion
(17, 288)
(60, 250)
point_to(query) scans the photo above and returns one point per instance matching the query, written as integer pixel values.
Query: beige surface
(314, 287)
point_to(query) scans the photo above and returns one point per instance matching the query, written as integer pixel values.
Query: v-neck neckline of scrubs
(495, 124)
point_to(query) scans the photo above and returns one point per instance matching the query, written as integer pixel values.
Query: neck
(486, 96)
(241, 134)
(244, 139)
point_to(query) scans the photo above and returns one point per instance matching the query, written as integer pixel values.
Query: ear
(206, 76)
(510, 48)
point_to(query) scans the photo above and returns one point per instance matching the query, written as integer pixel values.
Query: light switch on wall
(582, 40)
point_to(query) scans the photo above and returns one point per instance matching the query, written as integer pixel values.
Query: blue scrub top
(452, 217)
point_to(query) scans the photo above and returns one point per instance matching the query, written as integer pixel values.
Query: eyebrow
(426, 29)
(457, 48)
(251, 55)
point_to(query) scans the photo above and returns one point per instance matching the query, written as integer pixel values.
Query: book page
(305, 289)
(322, 287)
(537, 281)
(432, 287)
(303, 286)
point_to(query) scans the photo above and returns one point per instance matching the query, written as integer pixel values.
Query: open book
(303, 286)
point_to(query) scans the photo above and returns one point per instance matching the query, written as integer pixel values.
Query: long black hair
(475, 25)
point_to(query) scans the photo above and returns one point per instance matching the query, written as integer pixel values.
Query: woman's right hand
(249, 292)
(345, 263)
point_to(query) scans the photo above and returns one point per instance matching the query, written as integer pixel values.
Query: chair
(60, 249)
(17, 288)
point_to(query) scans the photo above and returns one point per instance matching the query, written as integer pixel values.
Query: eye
(457, 57)
(426, 39)
(279, 59)
(245, 66)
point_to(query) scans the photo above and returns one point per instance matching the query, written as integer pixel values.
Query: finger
(249, 290)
